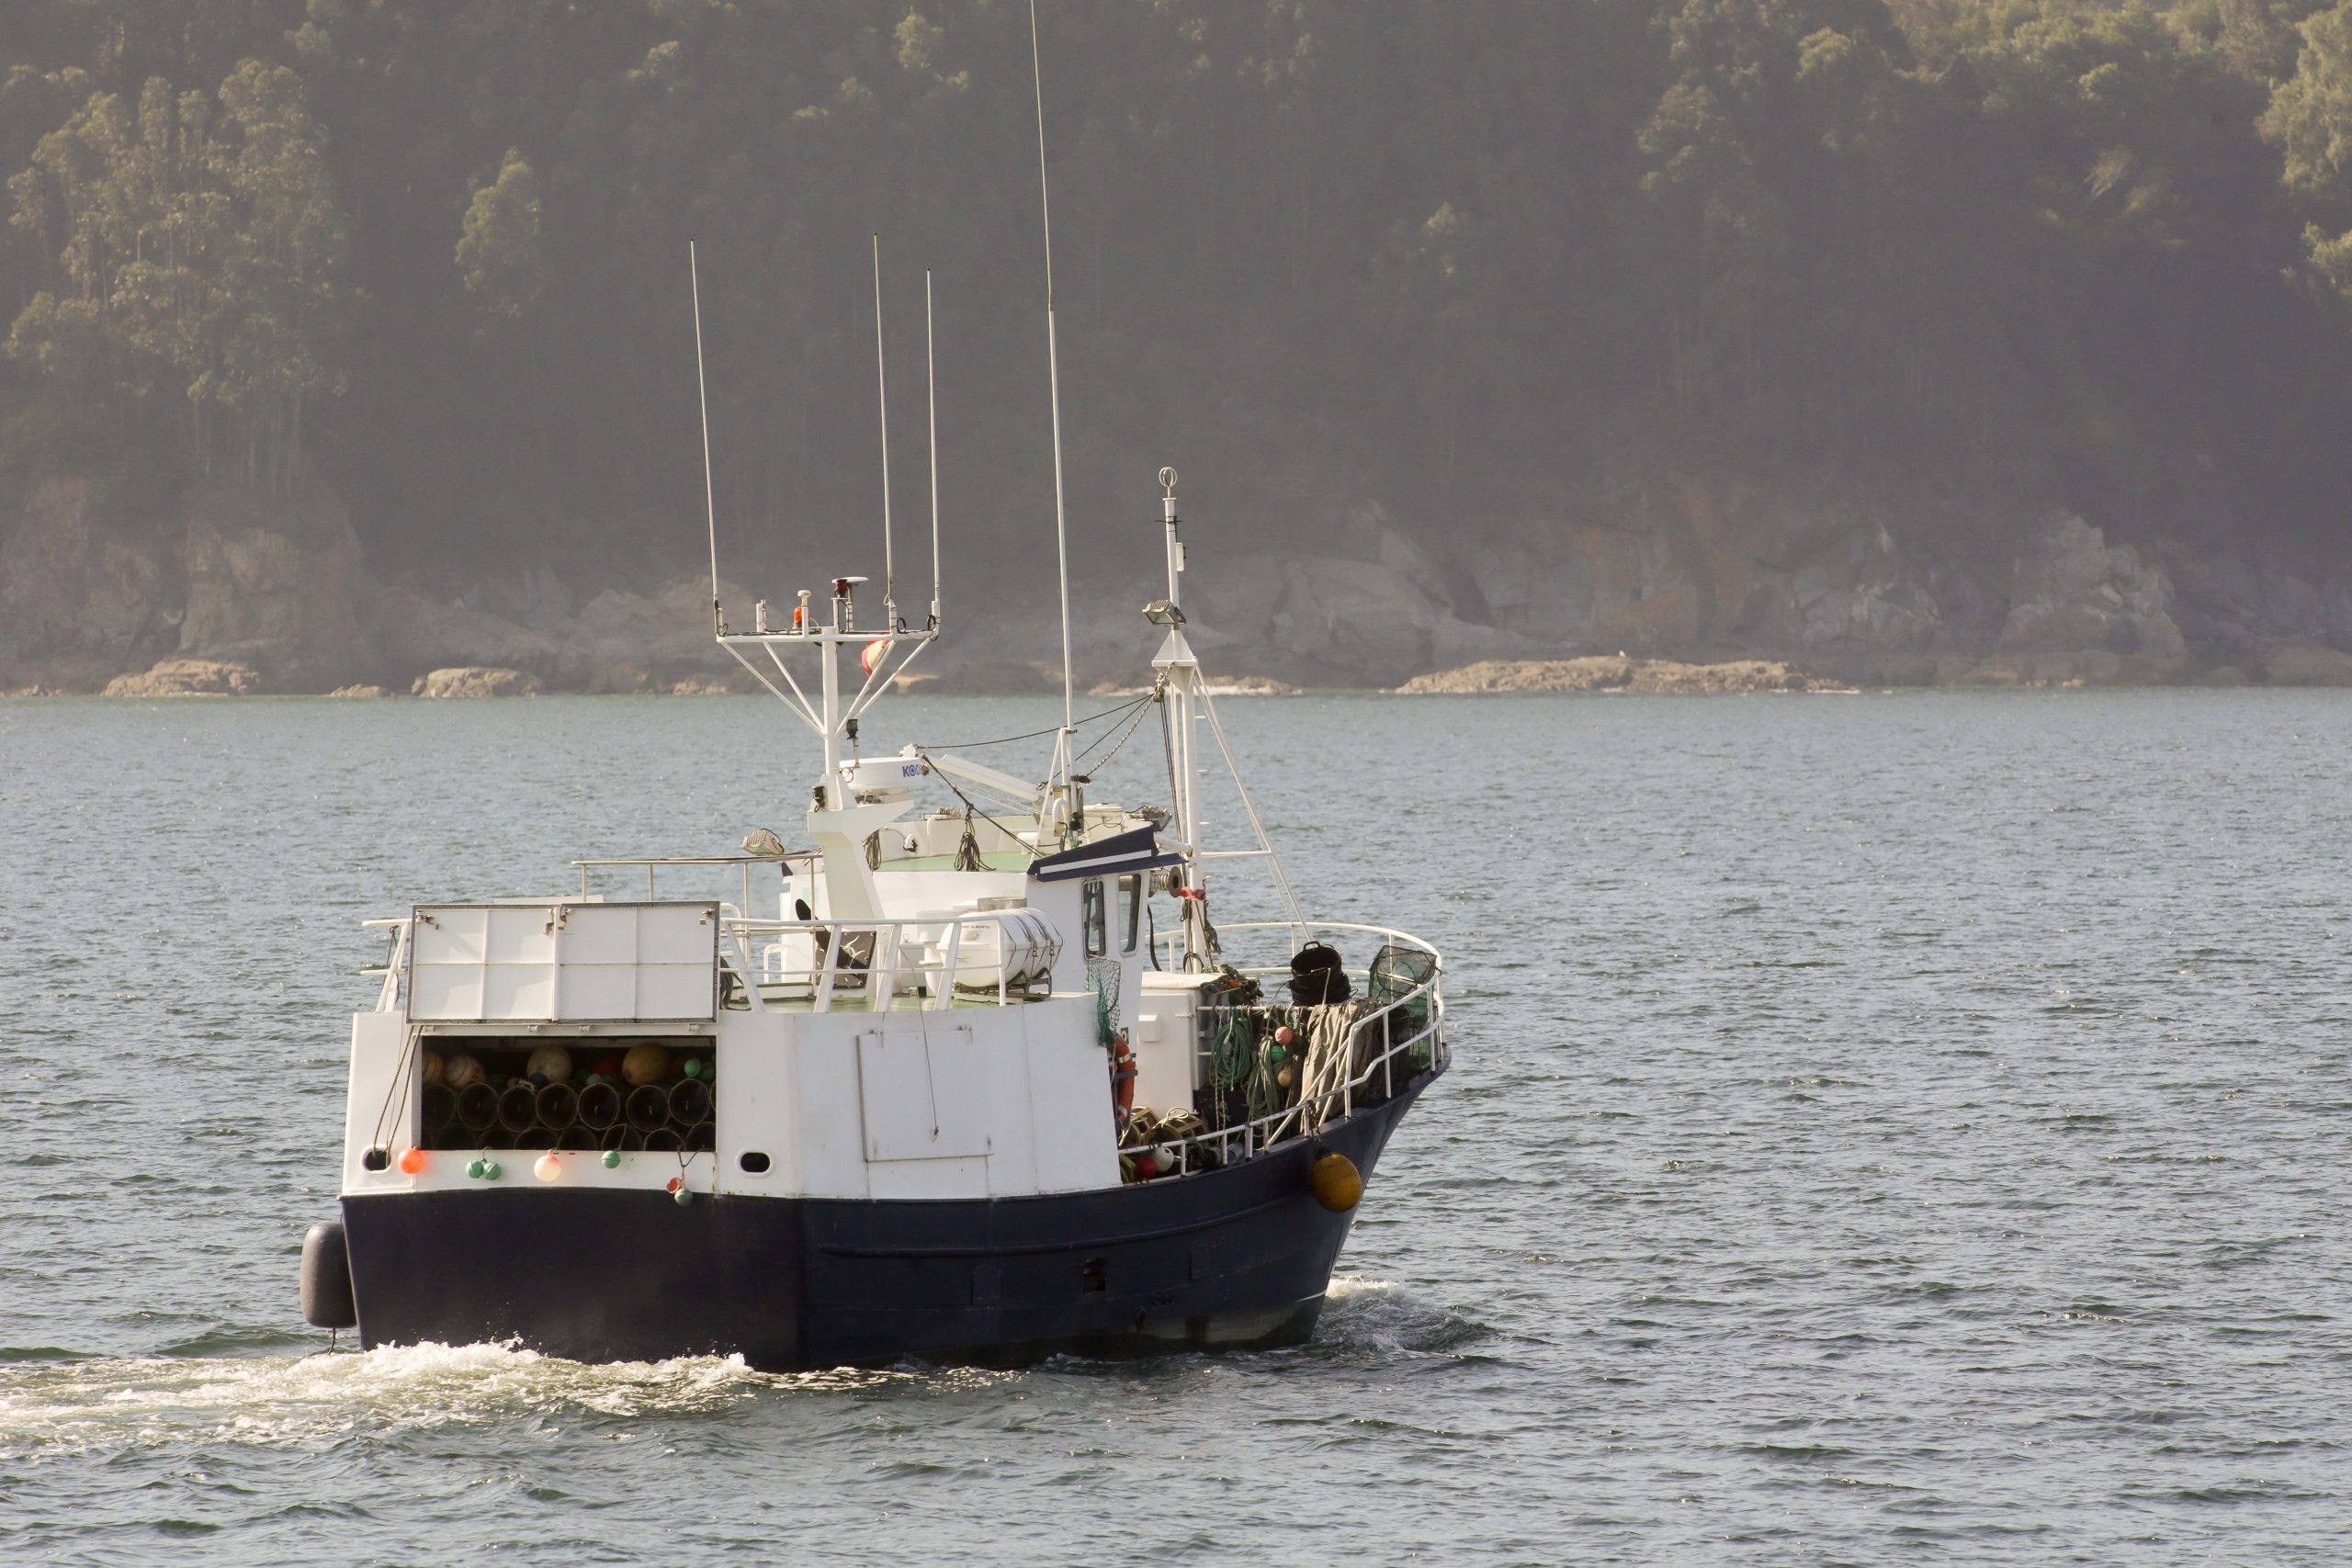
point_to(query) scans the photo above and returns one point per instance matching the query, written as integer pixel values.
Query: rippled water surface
(1884, 1129)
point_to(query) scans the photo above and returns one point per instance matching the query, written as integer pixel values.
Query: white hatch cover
(571, 963)
(924, 1094)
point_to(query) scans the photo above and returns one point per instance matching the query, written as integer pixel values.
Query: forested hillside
(1474, 264)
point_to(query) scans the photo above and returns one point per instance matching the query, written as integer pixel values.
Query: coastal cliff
(225, 590)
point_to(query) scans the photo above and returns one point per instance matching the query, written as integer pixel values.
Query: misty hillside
(1821, 328)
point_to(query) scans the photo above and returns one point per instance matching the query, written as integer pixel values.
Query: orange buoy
(1337, 1185)
(411, 1160)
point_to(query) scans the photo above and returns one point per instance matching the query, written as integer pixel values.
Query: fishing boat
(976, 1082)
(971, 1075)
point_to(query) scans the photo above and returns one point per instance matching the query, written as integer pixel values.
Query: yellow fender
(1337, 1185)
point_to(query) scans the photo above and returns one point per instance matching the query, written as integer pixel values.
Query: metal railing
(650, 864)
(1000, 953)
(395, 969)
(1164, 956)
(1337, 1101)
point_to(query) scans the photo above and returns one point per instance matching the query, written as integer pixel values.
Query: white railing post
(884, 977)
(950, 963)
(824, 999)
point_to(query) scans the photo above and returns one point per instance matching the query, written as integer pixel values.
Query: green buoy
(612, 1159)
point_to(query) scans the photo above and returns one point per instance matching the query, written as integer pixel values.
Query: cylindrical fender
(326, 1279)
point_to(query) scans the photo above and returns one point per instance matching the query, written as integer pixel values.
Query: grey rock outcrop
(2081, 610)
(476, 681)
(188, 678)
(2305, 664)
(1378, 616)
(80, 599)
(412, 633)
(274, 582)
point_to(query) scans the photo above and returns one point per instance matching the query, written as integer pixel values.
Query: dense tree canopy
(1464, 256)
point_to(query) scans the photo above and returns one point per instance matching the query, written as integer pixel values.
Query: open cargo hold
(495, 1092)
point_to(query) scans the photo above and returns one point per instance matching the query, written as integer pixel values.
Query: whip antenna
(1054, 374)
(882, 387)
(931, 396)
(702, 389)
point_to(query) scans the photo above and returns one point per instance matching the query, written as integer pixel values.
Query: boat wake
(70, 1405)
(1380, 1316)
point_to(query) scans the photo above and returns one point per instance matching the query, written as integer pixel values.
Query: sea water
(1883, 1128)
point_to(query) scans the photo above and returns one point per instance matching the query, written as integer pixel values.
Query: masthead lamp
(844, 589)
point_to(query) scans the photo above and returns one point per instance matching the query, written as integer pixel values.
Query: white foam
(147, 1402)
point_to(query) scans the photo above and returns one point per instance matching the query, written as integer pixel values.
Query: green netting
(1106, 1026)
(1398, 973)
(1233, 1038)
(1266, 1094)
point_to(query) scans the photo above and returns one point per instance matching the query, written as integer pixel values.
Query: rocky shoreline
(1617, 674)
(1691, 585)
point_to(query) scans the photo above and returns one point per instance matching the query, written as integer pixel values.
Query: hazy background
(1546, 310)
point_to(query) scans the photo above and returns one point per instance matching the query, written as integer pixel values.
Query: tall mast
(882, 391)
(930, 398)
(1054, 374)
(1186, 702)
(701, 390)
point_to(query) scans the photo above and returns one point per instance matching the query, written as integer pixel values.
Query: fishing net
(1402, 975)
(1233, 1038)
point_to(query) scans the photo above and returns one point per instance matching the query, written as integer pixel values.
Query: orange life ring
(1123, 1079)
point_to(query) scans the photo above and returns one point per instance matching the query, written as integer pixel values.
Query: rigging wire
(1133, 724)
(1119, 712)
(971, 807)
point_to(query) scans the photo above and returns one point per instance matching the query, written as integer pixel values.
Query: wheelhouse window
(1130, 911)
(1092, 915)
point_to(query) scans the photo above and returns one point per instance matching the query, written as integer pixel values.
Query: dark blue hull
(1237, 1256)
